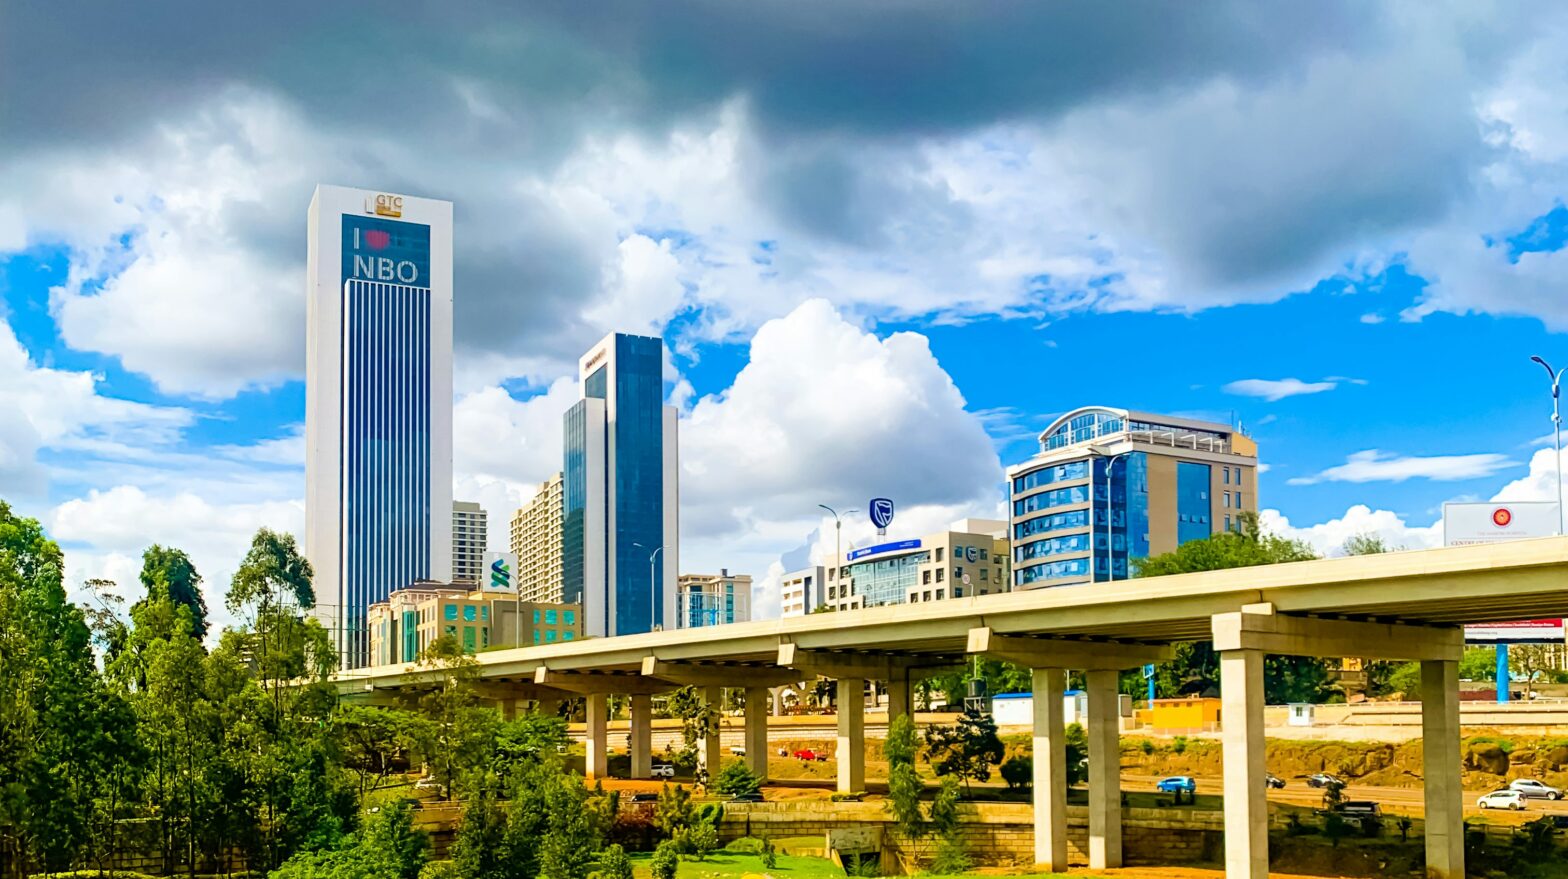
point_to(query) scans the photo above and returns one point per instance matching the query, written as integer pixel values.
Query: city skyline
(880, 291)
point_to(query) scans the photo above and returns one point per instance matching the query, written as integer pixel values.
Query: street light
(1557, 435)
(838, 542)
(653, 588)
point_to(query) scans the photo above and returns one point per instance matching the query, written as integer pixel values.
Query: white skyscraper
(378, 402)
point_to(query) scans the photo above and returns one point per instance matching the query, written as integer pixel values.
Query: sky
(885, 243)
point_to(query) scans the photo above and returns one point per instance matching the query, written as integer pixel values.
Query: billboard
(500, 572)
(1466, 524)
(883, 547)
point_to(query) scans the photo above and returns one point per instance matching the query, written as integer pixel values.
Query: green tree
(903, 781)
(1195, 668)
(666, 860)
(737, 778)
(614, 864)
(1367, 543)
(571, 842)
(479, 849)
(673, 813)
(698, 721)
(168, 573)
(967, 749)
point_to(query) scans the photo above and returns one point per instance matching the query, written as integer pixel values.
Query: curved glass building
(1110, 486)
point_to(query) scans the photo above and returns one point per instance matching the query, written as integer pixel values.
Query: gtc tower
(378, 402)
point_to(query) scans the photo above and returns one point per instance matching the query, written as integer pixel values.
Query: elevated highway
(1401, 606)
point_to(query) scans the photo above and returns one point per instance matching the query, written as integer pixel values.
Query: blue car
(1177, 784)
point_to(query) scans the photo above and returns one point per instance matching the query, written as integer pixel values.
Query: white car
(738, 750)
(664, 770)
(1533, 789)
(1502, 799)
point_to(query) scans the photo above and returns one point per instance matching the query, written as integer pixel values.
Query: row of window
(569, 617)
(1053, 571)
(1055, 522)
(1233, 499)
(1230, 474)
(1061, 497)
(1051, 546)
(1048, 475)
(469, 612)
(549, 636)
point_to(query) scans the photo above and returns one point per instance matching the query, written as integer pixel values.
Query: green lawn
(724, 865)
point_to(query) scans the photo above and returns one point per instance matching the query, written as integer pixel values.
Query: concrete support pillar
(1050, 770)
(851, 701)
(1445, 841)
(508, 708)
(898, 693)
(1105, 771)
(1246, 792)
(597, 764)
(642, 735)
(757, 730)
(710, 753)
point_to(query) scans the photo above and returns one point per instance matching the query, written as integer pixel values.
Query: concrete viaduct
(1399, 606)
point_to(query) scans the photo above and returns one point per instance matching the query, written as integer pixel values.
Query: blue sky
(881, 262)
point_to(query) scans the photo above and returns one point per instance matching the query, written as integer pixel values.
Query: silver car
(1535, 790)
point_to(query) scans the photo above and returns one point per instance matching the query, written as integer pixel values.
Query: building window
(925, 578)
(983, 573)
(939, 573)
(982, 555)
(451, 611)
(468, 613)
(549, 636)
(1238, 500)
(536, 616)
(570, 617)
(1227, 500)
(567, 635)
(939, 553)
(451, 631)
(549, 617)
(484, 613)
(941, 594)
(1227, 523)
(536, 636)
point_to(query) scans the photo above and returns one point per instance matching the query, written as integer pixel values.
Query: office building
(619, 492)
(469, 542)
(712, 599)
(800, 592)
(968, 559)
(411, 619)
(536, 541)
(1156, 481)
(378, 402)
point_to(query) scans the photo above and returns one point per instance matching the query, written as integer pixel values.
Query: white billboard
(500, 574)
(1465, 524)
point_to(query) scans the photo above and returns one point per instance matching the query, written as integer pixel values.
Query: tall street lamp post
(838, 543)
(1557, 436)
(653, 585)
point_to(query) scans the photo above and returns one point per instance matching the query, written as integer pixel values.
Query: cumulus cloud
(504, 447)
(1274, 390)
(1328, 538)
(1373, 465)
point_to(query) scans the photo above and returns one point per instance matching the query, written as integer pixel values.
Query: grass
(726, 865)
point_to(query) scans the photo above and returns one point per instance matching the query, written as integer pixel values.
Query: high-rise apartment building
(800, 592)
(712, 599)
(620, 498)
(1110, 486)
(968, 559)
(378, 402)
(536, 541)
(469, 542)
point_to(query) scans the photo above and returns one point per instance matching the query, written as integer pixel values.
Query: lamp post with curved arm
(653, 586)
(838, 542)
(1557, 435)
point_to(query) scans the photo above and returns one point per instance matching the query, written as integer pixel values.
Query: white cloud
(1327, 538)
(504, 447)
(1273, 390)
(1372, 318)
(1373, 465)
(105, 533)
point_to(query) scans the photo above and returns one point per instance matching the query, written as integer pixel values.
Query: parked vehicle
(1323, 779)
(1535, 790)
(1502, 799)
(1364, 814)
(664, 770)
(747, 798)
(809, 755)
(644, 798)
(1273, 781)
(1177, 784)
(429, 783)
(738, 750)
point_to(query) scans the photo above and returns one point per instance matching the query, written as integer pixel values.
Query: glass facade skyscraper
(378, 403)
(619, 486)
(1110, 486)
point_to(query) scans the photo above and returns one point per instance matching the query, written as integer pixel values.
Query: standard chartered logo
(500, 574)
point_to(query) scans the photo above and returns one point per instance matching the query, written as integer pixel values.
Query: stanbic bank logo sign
(500, 572)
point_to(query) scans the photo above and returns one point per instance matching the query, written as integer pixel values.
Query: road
(1394, 800)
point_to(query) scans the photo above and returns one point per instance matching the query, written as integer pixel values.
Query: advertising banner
(1466, 524)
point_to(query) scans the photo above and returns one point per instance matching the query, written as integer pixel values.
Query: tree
(903, 781)
(673, 812)
(614, 864)
(699, 720)
(571, 841)
(167, 572)
(967, 749)
(1195, 668)
(1528, 662)
(737, 778)
(666, 860)
(1367, 543)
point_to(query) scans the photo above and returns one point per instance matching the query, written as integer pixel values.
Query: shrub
(674, 810)
(1179, 745)
(614, 864)
(737, 778)
(853, 796)
(770, 858)
(1147, 747)
(438, 870)
(666, 860)
(704, 839)
(746, 845)
(1335, 828)
(1018, 771)
(633, 831)
(951, 859)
